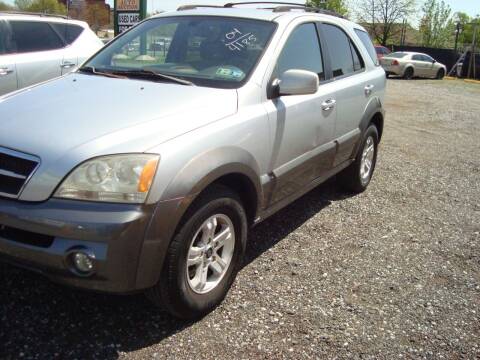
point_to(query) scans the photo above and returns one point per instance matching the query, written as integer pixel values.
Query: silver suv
(145, 169)
(39, 47)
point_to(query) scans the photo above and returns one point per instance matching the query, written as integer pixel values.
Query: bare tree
(384, 17)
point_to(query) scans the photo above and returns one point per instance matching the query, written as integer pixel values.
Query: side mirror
(298, 82)
(434, 61)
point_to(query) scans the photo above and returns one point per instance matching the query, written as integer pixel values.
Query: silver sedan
(411, 64)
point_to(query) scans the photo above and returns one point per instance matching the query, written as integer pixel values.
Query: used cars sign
(128, 13)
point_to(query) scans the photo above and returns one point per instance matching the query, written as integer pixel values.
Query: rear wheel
(408, 75)
(357, 176)
(440, 74)
(204, 256)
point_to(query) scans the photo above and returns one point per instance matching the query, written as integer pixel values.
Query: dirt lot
(391, 273)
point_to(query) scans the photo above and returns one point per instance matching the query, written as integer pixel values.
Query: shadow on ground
(41, 319)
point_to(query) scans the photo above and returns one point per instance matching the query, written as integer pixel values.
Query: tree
(466, 27)
(96, 15)
(5, 7)
(41, 6)
(436, 25)
(384, 17)
(339, 6)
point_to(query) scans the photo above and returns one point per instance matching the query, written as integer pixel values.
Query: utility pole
(472, 62)
(457, 33)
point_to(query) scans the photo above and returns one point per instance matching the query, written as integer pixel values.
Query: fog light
(82, 262)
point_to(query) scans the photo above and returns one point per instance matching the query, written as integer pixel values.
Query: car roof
(266, 14)
(40, 17)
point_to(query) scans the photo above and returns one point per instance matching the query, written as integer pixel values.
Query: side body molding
(195, 176)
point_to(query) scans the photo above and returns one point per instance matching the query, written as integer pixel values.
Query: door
(353, 87)
(39, 51)
(302, 125)
(69, 33)
(430, 68)
(8, 74)
(421, 65)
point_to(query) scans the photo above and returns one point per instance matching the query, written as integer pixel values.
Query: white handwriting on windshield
(236, 40)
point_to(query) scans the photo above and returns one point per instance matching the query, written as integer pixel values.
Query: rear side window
(30, 36)
(367, 42)
(302, 51)
(344, 56)
(418, 58)
(68, 32)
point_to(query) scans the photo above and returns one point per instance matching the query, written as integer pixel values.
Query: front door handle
(328, 104)
(369, 89)
(67, 65)
(5, 71)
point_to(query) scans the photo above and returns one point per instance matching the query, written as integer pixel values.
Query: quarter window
(30, 36)
(344, 56)
(68, 32)
(367, 42)
(302, 51)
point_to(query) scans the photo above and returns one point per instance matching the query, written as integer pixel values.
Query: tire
(353, 178)
(408, 74)
(180, 289)
(440, 74)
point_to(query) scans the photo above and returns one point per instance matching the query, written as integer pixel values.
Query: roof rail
(285, 6)
(9, 12)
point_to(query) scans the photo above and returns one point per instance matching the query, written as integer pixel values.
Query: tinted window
(342, 51)
(397, 55)
(357, 60)
(418, 57)
(3, 40)
(32, 36)
(301, 51)
(68, 32)
(367, 42)
(427, 58)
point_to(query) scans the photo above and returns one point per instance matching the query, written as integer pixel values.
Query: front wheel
(357, 176)
(204, 256)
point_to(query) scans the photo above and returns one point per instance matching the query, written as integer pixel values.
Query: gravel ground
(391, 273)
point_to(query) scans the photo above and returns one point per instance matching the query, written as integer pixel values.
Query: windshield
(206, 50)
(397, 55)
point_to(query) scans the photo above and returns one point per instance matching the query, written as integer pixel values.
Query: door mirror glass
(298, 82)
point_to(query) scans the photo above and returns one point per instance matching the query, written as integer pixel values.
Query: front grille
(15, 169)
(25, 237)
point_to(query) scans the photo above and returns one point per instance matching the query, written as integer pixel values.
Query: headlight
(116, 178)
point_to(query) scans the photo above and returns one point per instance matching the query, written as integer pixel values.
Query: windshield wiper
(92, 70)
(149, 73)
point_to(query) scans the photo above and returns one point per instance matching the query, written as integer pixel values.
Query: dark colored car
(381, 51)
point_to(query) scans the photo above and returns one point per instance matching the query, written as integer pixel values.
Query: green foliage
(436, 26)
(339, 6)
(42, 6)
(466, 28)
(5, 7)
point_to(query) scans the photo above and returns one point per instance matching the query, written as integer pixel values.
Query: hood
(76, 117)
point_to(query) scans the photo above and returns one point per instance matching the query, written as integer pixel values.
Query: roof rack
(285, 6)
(9, 12)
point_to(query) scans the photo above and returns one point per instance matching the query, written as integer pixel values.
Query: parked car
(155, 187)
(35, 48)
(412, 64)
(381, 51)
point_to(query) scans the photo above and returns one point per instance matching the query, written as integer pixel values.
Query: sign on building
(128, 13)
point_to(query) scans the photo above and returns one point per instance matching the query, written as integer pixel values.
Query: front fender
(189, 182)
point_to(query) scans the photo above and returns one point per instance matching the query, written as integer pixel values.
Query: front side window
(301, 51)
(206, 50)
(3, 38)
(30, 36)
(344, 56)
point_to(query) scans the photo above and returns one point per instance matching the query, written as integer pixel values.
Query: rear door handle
(328, 104)
(5, 71)
(369, 89)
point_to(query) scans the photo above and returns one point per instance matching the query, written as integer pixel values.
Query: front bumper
(39, 236)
